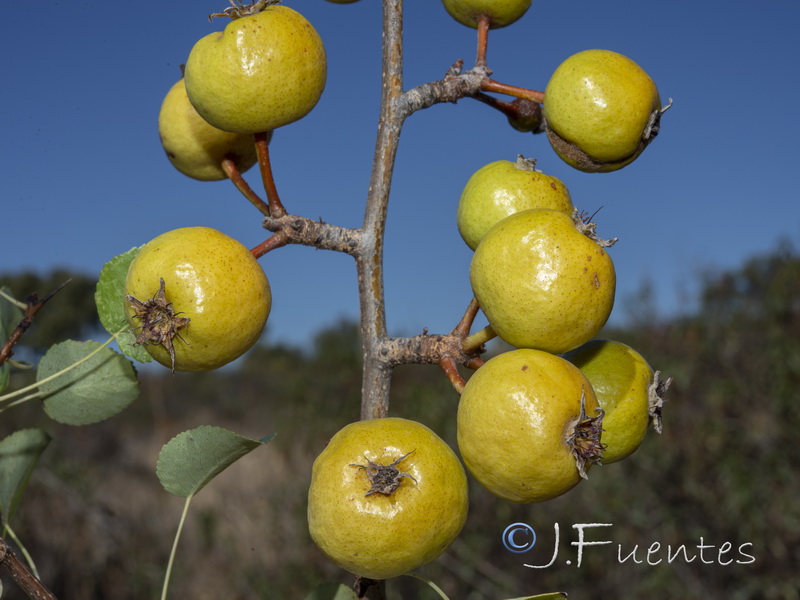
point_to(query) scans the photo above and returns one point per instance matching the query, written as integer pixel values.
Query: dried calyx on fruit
(159, 321)
(584, 439)
(238, 10)
(385, 479)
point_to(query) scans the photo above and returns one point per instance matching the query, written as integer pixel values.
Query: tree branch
(369, 256)
(21, 574)
(307, 232)
(34, 306)
(453, 87)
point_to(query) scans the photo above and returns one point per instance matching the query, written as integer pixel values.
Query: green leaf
(332, 591)
(10, 316)
(110, 300)
(19, 453)
(96, 389)
(193, 458)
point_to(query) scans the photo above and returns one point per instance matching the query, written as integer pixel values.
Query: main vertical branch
(369, 258)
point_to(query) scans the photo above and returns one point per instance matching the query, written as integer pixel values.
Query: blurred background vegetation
(725, 470)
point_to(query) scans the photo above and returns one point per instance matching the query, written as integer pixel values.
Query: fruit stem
(473, 342)
(229, 166)
(465, 324)
(265, 166)
(483, 40)
(450, 368)
(276, 240)
(490, 85)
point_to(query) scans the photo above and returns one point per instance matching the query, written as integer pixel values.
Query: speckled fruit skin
(621, 379)
(541, 282)
(214, 281)
(262, 72)
(500, 12)
(196, 148)
(379, 536)
(502, 188)
(514, 418)
(601, 101)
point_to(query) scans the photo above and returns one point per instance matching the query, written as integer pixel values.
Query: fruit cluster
(387, 494)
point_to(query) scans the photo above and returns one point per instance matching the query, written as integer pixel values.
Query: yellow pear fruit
(503, 188)
(624, 385)
(542, 282)
(195, 147)
(265, 70)
(602, 110)
(386, 496)
(500, 12)
(528, 425)
(196, 298)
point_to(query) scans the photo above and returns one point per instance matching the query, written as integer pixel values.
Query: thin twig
(34, 306)
(22, 575)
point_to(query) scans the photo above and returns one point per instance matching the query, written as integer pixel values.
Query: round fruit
(502, 188)
(622, 380)
(196, 148)
(542, 282)
(386, 496)
(601, 109)
(528, 425)
(500, 12)
(196, 298)
(263, 71)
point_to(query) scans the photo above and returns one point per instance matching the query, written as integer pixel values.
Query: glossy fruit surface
(193, 146)
(213, 287)
(263, 71)
(541, 282)
(621, 379)
(600, 107)
(500, 12)
(516, 419)
(383, 533)
(503, 188)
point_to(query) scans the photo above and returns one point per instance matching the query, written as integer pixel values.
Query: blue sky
(84, 176)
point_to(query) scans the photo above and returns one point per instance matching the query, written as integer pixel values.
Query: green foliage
(193, 458)
(19, 453)
(110, 288)
(96, 389)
